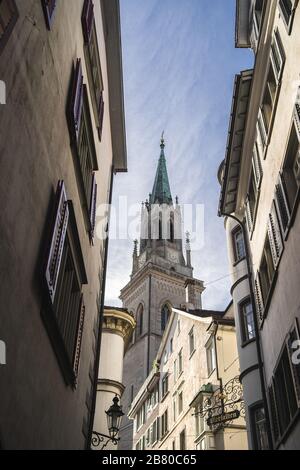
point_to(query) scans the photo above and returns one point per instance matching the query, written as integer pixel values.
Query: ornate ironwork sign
(223, 418)
(222, 406)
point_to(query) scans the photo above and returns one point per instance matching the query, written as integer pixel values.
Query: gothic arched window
(139, 321)
(171, 239)
(165, 315)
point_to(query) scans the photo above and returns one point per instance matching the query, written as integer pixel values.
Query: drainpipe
(98, 347)
(257, 333)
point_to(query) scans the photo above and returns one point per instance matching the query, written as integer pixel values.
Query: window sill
(192, 353)
(246, 343)
(211, 373)
(237, 262)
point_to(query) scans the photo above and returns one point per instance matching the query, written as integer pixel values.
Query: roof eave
(111, 16)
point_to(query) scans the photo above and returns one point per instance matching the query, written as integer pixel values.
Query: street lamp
(114, 415)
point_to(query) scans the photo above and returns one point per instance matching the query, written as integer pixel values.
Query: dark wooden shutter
(57, 240)
(77, 100)
(282, 204)
(100, 114)
(87, 20)
(80, 326)
(49, 7)
(259, 299)
(93, 205)
(274, 414)
(295, 368)
(274, 234)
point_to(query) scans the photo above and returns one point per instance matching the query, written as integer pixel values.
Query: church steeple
(161, 193)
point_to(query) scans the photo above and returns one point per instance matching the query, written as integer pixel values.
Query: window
(287, 8)
(211, 356)
(165, 357)
(200, 425)
(265, 276)
(139, 321)
(247, 321)
(175, 370)
(84, 147)
(251, 203)
(277, 55)
(180, 363)
(202, 444)
(141, 444)
(178, 327)
(154, 432)
(164, 424)
(171, 346)
(49, 8)
(165, 385)
(191, 341)
(165, 315)
(93, 63)
(180, 402)
(291, 169)
(259, 426)
(8, 17)
(174, 407)
(174, 445)
(268, 104)
(152, 401)
(257, 20)
(141, 417)
(182, 444)
(65, 274)
(238, 244)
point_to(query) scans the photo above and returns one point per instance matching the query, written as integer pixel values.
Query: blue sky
(179, 63)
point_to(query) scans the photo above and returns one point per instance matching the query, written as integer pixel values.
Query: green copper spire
(161, 193)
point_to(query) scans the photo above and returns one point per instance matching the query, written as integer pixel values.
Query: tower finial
(162, 140)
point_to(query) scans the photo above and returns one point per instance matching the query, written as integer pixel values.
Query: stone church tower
(159, 280)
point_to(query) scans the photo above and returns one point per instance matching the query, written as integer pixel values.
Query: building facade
(117, 330)
(196, 363)
(62, 138)
(259, 200)
(159, 275)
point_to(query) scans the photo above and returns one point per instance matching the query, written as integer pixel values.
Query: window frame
(49, 7)
(252, 410)
(165, 386)
(288, 22)
(192, 341)
(245, 339)
(236, 231)
(211, 345)
(164, 424)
